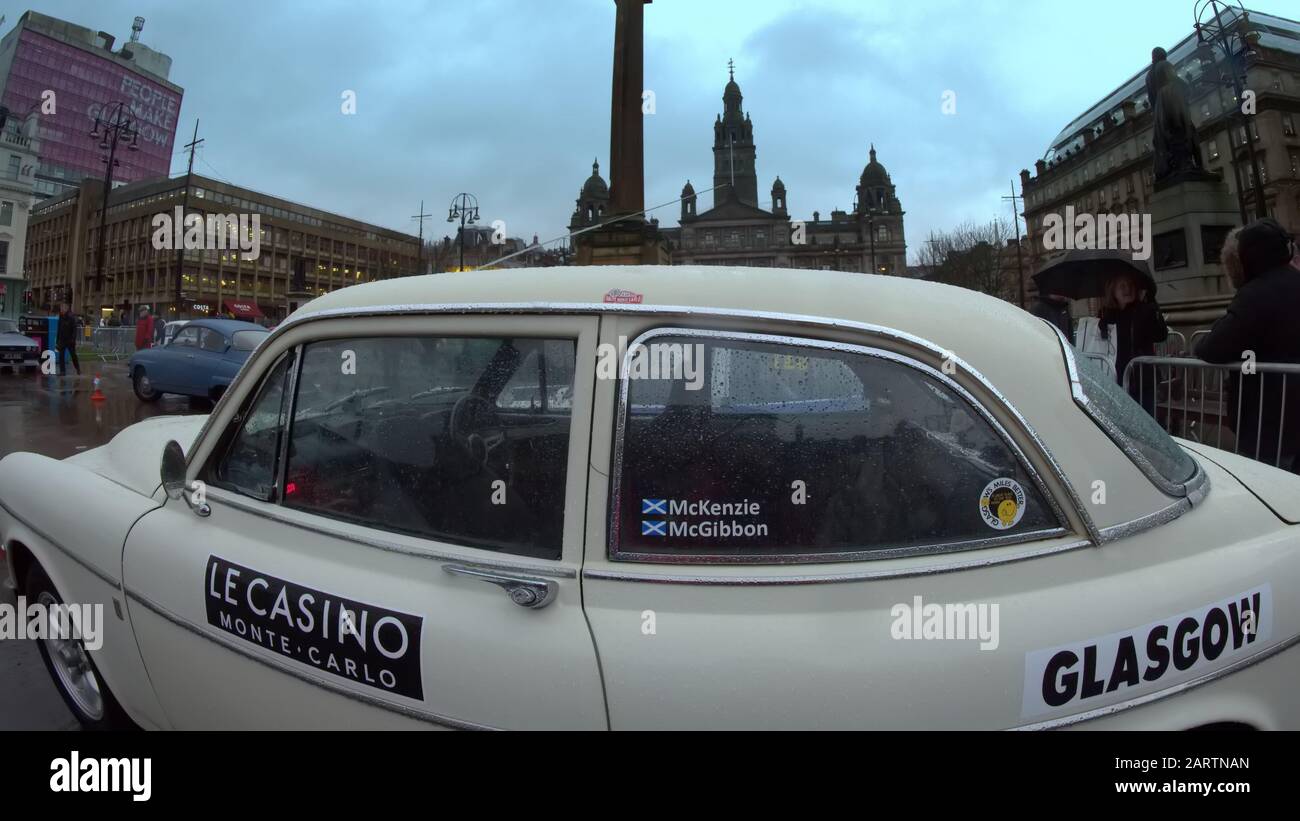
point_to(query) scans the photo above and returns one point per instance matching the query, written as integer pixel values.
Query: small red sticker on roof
(620, 295)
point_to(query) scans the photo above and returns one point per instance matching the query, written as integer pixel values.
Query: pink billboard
(84, 84)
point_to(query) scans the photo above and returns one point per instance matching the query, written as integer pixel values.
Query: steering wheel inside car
(475, 428)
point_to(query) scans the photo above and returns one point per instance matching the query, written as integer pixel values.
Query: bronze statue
(1173, 134)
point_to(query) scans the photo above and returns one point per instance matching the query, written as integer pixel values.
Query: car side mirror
(173, 470)
(173, 478)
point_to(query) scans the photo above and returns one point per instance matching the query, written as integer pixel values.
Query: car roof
(957, 319)
(226, 326)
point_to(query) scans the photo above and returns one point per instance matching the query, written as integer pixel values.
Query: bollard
(97, 395)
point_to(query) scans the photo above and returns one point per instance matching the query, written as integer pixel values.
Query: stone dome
(874, 175)
(595, 187)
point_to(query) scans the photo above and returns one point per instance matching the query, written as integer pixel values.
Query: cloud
(509, 99)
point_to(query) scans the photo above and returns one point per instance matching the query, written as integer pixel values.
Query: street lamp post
(465, 208)
(113, 124)
(1219, 23)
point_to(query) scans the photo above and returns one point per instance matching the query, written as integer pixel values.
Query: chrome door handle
(525, 591)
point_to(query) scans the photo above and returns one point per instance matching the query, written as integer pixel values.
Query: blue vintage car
(201, 360)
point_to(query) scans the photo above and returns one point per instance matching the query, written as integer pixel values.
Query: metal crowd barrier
(1175, 345)
(112, 343)
(1188, 398)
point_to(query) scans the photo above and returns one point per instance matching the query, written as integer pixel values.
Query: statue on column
(1175, 147)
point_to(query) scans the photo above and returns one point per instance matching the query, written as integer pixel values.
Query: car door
(209, 360)
(175, 365)
(394, 535)
(775, 513)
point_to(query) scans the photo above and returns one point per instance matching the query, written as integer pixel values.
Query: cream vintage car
(665, 497)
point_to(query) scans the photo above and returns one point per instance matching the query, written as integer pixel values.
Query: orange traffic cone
(97, 395)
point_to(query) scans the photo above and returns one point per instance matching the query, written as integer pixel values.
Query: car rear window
(777, 450)
(1132, 428)
(248, 340)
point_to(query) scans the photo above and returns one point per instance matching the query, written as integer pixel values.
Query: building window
(1212, 148)
(1295, 163)
(882, 233)
(1288, 125)
(6, 213)
(15, 163)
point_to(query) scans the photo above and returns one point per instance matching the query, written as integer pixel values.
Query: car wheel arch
(21, 558)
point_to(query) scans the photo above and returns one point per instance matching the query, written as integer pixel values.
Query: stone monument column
(629, 239)
(626, 130)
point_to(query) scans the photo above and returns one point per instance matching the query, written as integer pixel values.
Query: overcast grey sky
(509, 99)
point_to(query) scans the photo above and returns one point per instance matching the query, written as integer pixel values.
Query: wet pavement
(55, 416)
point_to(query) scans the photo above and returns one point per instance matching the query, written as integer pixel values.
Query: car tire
(75, 675)
(144, 389)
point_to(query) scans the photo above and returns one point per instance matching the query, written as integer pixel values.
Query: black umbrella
(1082, 274)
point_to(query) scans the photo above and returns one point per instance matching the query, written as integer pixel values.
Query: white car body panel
(82, 554)
(734, 646)
(485, 662)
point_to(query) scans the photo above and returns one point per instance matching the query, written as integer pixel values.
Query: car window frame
(1193, 490)
(622, 408)
(282, 464)
(176, 340)
(210, 332)
(236, 425)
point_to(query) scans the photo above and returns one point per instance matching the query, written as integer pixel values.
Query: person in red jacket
(144, 329)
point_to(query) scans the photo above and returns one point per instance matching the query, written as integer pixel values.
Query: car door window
(249, 456)
(464, 440)
(211, 341)
(809, 451)
(187, 338)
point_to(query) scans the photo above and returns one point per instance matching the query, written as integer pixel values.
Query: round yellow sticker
(1002, 504)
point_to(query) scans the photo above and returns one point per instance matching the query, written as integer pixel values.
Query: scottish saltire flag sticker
(652, 506)
(649, 528)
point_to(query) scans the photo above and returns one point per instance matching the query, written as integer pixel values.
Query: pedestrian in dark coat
(1260, 326)
(66, 338)
(1131, 313)
(1056, 310)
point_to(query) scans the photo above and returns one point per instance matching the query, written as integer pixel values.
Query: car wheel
(75, 676)
(144, 388)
